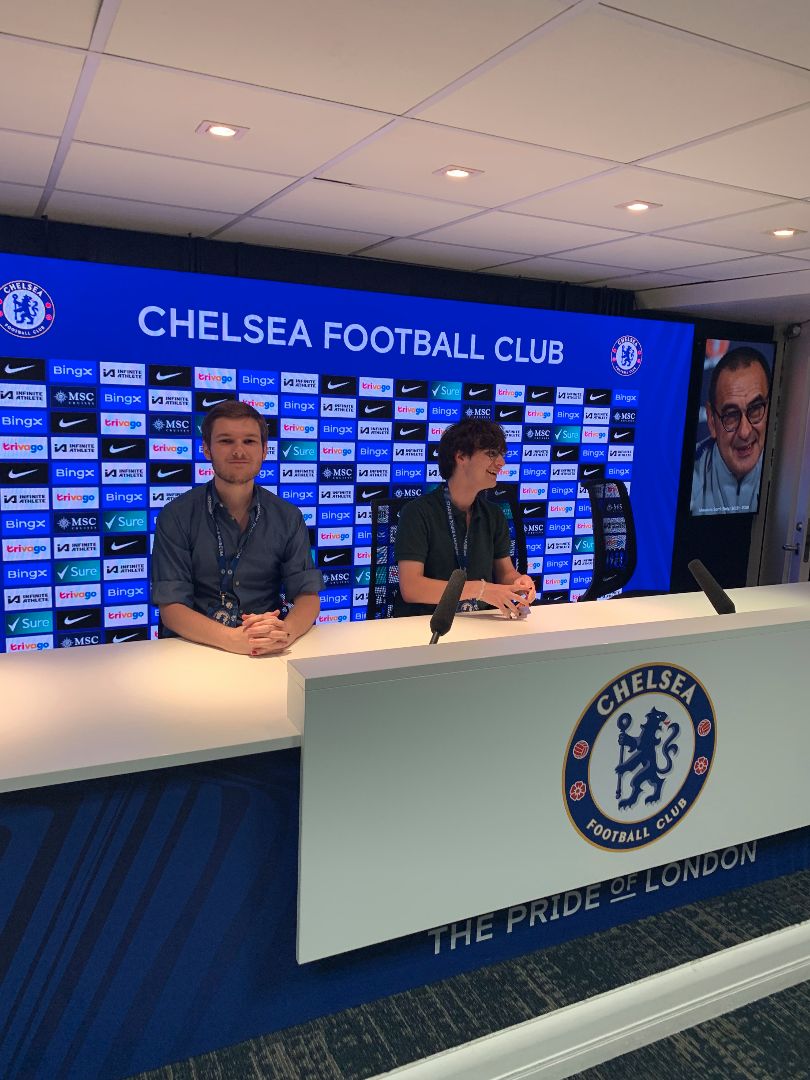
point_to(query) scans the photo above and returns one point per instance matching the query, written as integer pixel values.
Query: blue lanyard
(227, 569)
(461, 558)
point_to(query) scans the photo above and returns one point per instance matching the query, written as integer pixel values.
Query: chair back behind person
(614, 538)
(384, 577)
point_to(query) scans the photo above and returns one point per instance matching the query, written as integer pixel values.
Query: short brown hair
(466, 437)
(232, 410)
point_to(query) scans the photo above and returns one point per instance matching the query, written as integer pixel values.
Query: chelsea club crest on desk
(639, 756)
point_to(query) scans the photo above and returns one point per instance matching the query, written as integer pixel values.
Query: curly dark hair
(466, 437)
(232, 410)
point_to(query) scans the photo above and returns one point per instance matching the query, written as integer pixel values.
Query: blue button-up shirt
(277, 556)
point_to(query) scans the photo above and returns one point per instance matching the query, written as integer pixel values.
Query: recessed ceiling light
(638, 206)
(785, 234)
(221, 131)
(458, 172)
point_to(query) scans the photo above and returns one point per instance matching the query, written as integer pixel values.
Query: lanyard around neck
(461, 556)
(227, 567)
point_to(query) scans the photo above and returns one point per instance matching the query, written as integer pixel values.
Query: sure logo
(639, 756)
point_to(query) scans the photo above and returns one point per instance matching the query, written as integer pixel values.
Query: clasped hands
(512, 600)
(262, 635)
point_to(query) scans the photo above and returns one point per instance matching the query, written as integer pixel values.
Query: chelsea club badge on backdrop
(639, 756)
(26, 309)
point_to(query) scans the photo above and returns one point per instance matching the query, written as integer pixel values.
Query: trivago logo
(509, 392)
(77, 595)
(126, 615)
(376, 388)
(30, 644)
(266, 404)
(170, 448)
(66, 498)
(221, 378)
(24, 550)
(334, 537)
(298, 429)
(115, 423)
(22, 447)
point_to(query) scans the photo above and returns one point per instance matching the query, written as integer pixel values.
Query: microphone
(442, 618)
(720, 600)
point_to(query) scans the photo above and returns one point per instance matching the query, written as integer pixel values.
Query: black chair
(614, 538)
(384, 576)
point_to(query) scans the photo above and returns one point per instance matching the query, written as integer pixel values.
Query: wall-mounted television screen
(107, 371)
(733, 420)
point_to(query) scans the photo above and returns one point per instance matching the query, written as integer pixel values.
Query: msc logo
(26, 309)
(626, 355)
(639, 756)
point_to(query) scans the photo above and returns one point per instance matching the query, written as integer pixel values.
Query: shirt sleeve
(413, 534)
(298, 572)
(171, 563)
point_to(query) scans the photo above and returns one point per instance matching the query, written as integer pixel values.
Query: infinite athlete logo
(626, 355)
(26, 309)
(639, 757)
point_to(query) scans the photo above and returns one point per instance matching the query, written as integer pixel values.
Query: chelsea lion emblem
(626, 354)
(639, 756)
(26, 309)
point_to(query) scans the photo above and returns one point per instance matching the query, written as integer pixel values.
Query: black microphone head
(717, 597)
(442, 618)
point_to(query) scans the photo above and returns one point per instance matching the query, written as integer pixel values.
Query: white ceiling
(567, 108)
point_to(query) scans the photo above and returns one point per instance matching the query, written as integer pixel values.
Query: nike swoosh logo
(160, 377)
(118, 638)
(408, 431)
(410, 389)
(597, 397)
(534, 510)
(337, 385)
(589, 472)
(538, 397)
(120, 547)
(14, 475)
(163, 473)
(206, 404)
(564, 453)
(78, 618)
(477, 393)
(372, 494)
(621, 435)
(511, 412)
(331, 558)
(13, 626)
(121, 449)
(15, 370)
(376, 408)
(61, 573)
(71, 423)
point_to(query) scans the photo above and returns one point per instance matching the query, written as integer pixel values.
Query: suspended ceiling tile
(779, 30)
(549, 269)
(605, 85)
(69, 23)
(288, 134)
(655, 253)
(452, 256)
(320, 202)
(127, 174)
(37, 83)
(753, 231)
(385, 56)
(26, 159)
(639, 282)
(756, 266)
(129, 214)
(503, 231)
(19, 200)
(290, 234)
(596, 201)
(773, 155)
(406, 157)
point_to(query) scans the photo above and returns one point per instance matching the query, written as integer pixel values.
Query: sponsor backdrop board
(106, 373)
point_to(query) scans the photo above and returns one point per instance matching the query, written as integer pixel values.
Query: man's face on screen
(738, 419)
(236, 451)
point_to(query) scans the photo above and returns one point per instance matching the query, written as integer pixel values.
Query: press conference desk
(103, 710)
(149, 809)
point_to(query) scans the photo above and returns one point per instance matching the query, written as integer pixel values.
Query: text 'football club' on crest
(26, 309)
(639, 757)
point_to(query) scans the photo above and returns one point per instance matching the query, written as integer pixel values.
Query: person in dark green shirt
(455, 526)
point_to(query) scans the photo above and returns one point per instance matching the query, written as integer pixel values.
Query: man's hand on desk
(264, 634)
(511, 600)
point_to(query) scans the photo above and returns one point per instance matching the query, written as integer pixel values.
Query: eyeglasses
(731, 418)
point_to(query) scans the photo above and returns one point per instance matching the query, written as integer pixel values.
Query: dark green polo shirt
(423, 535)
